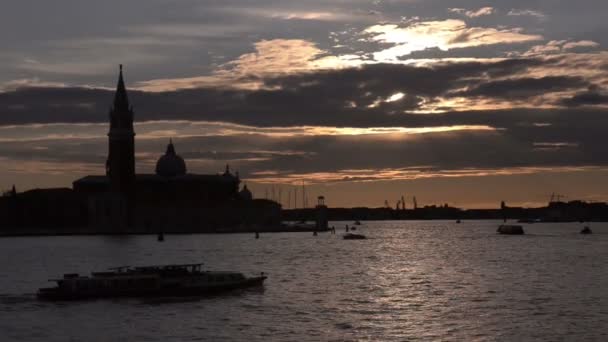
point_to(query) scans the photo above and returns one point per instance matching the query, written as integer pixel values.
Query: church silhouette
(122, 201)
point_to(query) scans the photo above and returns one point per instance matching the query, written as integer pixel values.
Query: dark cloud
(353, 96)
(577, 138)
(523, 88)
(592, 96)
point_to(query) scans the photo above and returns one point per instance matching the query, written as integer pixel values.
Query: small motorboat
(510, 229)
(148, 281)
(586, 230)
(351, 236)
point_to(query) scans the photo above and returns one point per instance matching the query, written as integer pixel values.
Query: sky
(460, 102)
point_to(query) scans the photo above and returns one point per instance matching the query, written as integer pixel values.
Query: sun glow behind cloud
(277, 57)
(441, 34)
(400, 174)
(191, 129)
(270, 59)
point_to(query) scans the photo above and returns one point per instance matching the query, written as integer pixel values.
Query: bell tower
(120, 166)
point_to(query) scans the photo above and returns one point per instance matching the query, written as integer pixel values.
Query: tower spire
(170, 147)
(120, 166)
(121, 101)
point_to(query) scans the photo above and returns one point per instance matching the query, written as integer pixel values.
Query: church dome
(170, 164)
(246, 194)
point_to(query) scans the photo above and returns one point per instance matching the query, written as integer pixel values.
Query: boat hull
(354, 237)
(175, 291)
(506, 229)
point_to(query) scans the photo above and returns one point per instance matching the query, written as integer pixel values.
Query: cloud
(400, 174)
(305, 15)
(444, 35)
(313, 12)
(554, 145)
(153, 34)
(525, 87)
(580, 44)
(527, 12)
(431, 150)
(457, 10)
(558, 47)
(29, 83)
(153, 130)
(474, 13)
(591, 97)
(271, 58)
(370, 95)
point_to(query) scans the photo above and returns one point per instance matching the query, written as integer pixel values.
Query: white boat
(351, 236)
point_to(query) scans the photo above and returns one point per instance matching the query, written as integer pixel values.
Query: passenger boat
(351, 236)
(167, 280)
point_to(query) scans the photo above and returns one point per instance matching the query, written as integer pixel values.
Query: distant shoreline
(83, 232)
(284, 229)
(573, 211)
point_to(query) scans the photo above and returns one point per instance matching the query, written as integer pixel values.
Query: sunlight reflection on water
(431, 280)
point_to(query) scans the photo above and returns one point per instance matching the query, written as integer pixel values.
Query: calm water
(410, 281)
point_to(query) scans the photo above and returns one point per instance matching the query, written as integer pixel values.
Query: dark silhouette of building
(120, 165)
(170, 200)
(42, 211)
(171, 164)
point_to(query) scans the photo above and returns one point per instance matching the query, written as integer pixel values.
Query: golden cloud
(444, 35)
(409, 173)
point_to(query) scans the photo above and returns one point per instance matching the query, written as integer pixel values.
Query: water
(432, 280)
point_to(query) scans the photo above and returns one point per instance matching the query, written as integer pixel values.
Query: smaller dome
(246, 194)
(170, 164)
